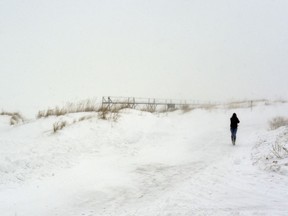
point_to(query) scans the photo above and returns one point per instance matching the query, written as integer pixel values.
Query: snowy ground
(145, 164)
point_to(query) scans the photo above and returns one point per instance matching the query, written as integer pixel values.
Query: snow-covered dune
(144, 164)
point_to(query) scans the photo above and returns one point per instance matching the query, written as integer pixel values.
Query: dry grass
(105, 113)
(162, 109)
(149, 108)
(16, 117)
(84, 118)
(278, 122)
(279, 151)
(83, 106)
(118, 107)
(186, 108)
(247, 103)
(59, 125)
(238, 104)
(115, 116)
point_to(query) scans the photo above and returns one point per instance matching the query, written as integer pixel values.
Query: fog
(65, 50)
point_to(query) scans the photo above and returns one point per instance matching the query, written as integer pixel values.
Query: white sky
(61, 50)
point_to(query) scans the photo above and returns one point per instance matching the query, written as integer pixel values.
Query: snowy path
(175, 164)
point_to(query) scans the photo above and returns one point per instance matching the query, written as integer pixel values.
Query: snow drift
(145, 164)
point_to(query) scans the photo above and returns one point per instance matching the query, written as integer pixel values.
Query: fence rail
(151, 103)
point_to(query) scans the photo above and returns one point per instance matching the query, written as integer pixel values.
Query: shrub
(278, 122)
(279, 150)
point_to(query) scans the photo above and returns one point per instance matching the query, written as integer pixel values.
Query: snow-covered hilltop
(172, 163)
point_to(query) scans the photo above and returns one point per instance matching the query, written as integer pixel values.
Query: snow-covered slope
(144, 164)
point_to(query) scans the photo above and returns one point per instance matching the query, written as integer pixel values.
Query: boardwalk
(150, 103)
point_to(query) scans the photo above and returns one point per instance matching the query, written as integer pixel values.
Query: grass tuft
(59, 126)
(16, 117)
(83, 106)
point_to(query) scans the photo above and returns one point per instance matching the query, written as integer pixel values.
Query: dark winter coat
(234, 121)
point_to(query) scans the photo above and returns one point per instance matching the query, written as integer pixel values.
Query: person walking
(233, 127)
